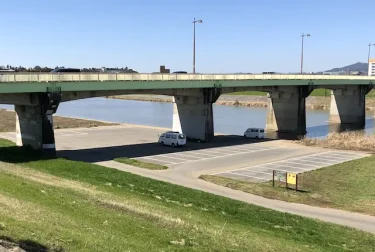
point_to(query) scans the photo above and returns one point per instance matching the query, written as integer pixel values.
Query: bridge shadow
(27, 245)
(13, 154)
(149, 149)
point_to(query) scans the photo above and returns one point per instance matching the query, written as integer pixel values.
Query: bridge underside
(192, 110)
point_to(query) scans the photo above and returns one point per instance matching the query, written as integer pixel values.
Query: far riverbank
(312, 102)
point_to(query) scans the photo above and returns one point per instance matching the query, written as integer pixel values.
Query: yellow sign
(292, 178)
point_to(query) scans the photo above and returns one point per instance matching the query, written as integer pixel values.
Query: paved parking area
(263, 172)
(177, 158)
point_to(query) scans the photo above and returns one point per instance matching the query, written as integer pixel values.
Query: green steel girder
(38, 87)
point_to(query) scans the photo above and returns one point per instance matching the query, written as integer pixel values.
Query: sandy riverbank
(8, 122)
(312, 102)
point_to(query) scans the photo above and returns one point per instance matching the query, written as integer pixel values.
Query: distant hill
(359, 66)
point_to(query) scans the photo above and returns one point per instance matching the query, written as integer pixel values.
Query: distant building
(164, 70)
(371, 67)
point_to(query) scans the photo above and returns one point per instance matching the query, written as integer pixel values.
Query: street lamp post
(368, 57)
(303, 35)
(195, 21)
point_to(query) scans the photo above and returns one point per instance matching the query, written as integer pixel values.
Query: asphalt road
(229, 156)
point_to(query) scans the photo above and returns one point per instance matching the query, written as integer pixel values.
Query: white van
(254, 133)
(172, 138)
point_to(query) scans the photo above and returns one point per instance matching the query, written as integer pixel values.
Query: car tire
(173, 145)
(256, 137)
(162, 143)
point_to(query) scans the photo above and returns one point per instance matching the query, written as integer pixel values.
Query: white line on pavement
(338, 158)
(249, 176)
(190, 155)
(254, 171)
(345, 154)
(279, 161)
(317, 161)
(222, 156)
(158, 160)
(293, 167)
(296, 162)
(169, 156)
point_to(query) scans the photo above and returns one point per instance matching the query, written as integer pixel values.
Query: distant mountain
(361, 67)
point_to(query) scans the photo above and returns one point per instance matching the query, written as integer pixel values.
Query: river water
(229, 120)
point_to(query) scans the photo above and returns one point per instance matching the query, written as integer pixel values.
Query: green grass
(65, 205)
(140, 164)
(316, 92)
(348, 186)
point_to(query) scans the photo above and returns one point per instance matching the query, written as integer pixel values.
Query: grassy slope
(316, 92)
(137, 163)
(83, 207)
(349, 186)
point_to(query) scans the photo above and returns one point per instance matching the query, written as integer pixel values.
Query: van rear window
(181, 136)
(261, 131)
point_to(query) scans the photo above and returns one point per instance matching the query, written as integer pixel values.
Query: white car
(254, 133)
(172, 138)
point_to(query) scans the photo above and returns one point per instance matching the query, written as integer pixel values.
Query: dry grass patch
(346, 141)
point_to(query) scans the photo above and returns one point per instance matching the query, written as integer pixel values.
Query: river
(227, 119)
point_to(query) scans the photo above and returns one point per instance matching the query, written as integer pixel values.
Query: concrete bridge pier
(286, 109)
(348, 105)
(193, 116)
(34, 123)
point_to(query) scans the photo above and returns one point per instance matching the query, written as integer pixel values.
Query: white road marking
(297, 160)
(335, 158)
(268, 173)
(222, 156)
(293, 167)
(169, 156)
(186, 155)
(200, 154)
(316, 161)
(218, 151)
(158, 160)
(249, 176)
(278, 170)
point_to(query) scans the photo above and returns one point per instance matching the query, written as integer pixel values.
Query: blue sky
(235, 36)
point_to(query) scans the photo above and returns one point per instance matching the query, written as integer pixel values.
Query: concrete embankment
(312, 102)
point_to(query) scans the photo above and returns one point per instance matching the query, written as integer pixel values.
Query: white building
(371, 67)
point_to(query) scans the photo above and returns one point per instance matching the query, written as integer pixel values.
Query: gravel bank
(312, 102)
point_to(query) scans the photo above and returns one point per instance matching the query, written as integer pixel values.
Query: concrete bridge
(37, 96)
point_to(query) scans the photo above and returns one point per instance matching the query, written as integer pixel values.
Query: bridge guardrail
(73, 77)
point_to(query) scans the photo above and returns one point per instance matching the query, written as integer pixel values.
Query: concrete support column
(348, 105)
(193, 115)
(286, 109)
(34, 124)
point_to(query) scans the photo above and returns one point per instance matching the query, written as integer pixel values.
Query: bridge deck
(48, 77)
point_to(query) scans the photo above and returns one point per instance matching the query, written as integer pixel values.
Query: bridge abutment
(34, 124)
(286, 109)
(348, 105)
(193, 115)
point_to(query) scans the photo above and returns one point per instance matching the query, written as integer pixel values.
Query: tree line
(39, 69)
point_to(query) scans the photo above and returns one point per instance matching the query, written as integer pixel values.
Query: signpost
(289, 178)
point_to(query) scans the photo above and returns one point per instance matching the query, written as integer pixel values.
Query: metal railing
(87, 77)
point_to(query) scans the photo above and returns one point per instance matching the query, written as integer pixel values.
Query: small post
(286, 180)
(296, 182)
(273, 178)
